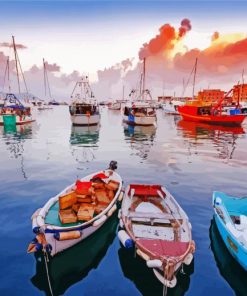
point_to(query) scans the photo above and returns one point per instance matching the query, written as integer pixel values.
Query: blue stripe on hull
(233, 246)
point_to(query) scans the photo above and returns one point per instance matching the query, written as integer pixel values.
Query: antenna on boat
(194, 80)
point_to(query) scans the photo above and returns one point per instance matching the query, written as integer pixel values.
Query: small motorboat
(154, 223)
(230, 215)
(76, 212)
(115, 105)
(172, 107)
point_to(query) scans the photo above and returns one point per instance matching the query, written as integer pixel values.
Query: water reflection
(84, 140)
(14, 138)
(144, 279)
(140, 138)
(231, 271)
(210, 140)
(74, 264)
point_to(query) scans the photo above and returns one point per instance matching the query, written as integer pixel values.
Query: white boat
(84, 109)
(154, 223)
(140, 111)
(171, 107)
(114, 105)
(90, 210)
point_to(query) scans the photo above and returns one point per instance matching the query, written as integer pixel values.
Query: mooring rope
(47, 272)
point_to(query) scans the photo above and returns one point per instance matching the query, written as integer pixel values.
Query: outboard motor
(113, 165)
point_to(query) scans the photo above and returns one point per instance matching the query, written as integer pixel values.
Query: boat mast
(144, 77)
(46, 80)
(44, 75)
(194, 80)
(6, 73)
(16, 64)
(123, 93)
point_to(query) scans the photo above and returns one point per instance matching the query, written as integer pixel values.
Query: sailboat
(140, 111)
(41, 105)
(15, 110)
(195, 110)
(84, 109)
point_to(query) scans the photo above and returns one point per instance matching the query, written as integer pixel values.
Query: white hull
(83, 119)
(86, 228)
(145, 120)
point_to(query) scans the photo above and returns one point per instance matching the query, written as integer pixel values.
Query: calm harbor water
(191, 159)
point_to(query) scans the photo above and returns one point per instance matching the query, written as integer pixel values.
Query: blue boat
(231, 220)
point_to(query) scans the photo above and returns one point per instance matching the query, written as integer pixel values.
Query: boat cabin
(139, 111)
(83, 109)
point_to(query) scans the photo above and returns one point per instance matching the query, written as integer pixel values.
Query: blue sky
(91, 35)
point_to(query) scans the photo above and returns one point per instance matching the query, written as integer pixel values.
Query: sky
(90, 36)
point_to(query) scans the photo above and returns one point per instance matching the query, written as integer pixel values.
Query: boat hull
(19, 120)
(85, 120)
(52, 232)
(231, 120)
(144, 121)
(235, 248)
(155, 244)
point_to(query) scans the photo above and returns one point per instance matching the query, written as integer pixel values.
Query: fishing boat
(172, 107)
(84, 109)
(158, 228)
(76, 212)
(230, 215)
(139, 111)
(15, 109)
(195, 110)
(15, 112)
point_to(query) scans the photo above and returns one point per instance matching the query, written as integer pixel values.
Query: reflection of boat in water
(14, 137)
(74, 264)
(220, 141)
(135, 269)
(141, 138)
(84, 135)
(195, 128)
(84, 140)
(232, 272)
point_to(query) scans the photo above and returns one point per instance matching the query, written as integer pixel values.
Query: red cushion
(164, 248)
(80, 185)
(100, 175)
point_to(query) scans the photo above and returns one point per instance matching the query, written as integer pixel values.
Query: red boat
(195, 111)
(154, 223)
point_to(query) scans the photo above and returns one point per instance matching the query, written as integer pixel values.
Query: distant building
(163, 99)
(240, 91)
(210, 95)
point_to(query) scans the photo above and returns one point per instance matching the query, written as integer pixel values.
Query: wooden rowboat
(76, 212)
(154, 223)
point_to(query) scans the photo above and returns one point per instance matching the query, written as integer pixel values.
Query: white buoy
(99, 221)
(111, 211)
(188, 259)
(121, 224)
(156, 263)
(119, 214)
(125, 239)
(120, 196)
